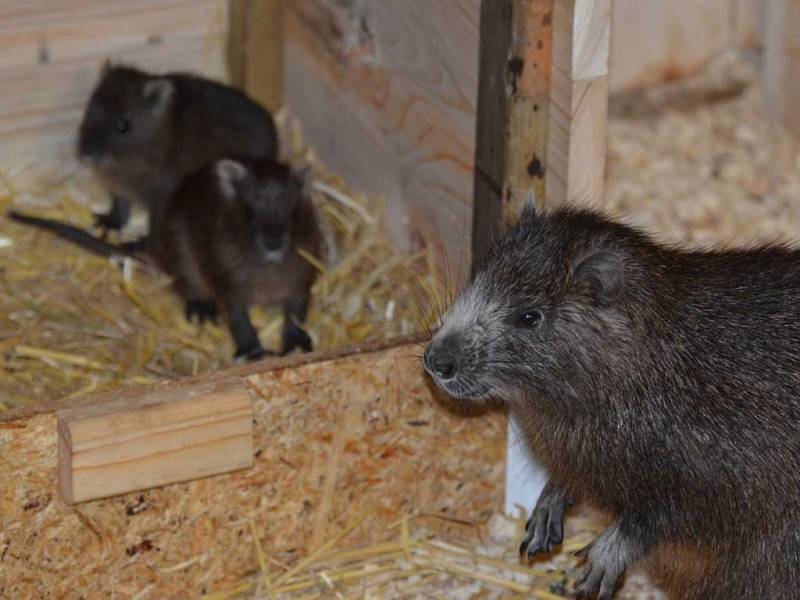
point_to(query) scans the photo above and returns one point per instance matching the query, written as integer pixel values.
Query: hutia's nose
(441, 361)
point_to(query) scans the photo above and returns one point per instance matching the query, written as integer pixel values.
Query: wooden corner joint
(173, 435)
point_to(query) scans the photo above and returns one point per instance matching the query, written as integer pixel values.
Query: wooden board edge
(238, 371)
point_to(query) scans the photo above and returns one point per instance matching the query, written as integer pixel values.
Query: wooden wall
(386, 91)
(51, 52)
(654, 41)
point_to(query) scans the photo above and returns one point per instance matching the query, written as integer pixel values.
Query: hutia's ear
(301, 178)
(157, 93)
(107, 66)
(600, 275)
(229, 173)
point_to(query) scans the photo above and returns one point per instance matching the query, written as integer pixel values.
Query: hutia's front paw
(545, 529)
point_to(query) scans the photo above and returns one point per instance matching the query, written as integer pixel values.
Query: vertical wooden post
(578, 101)
(513, 96)
(541, 125)
(256, 49)
(782, 62)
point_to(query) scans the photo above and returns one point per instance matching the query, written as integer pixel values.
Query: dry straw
(71, 323)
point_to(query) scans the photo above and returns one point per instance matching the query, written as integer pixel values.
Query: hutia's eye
(122, 125)
(530, 318)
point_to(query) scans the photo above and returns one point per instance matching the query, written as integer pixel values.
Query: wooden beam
(256, 49)
(133, 444)
(511, 126)
(541, 116)
(578, 102)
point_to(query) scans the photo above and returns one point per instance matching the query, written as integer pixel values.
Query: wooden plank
(513, 98)
(491, 144)
(336, 438)
(655, 41)
(578, 109)
(51, 53)
(133, 444)
(256, 49)
(385, 92)
(514, 121)
(782, 62)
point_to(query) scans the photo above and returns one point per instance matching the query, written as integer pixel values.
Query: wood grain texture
(386, 95)
(126, 445)
(51, 53)
(578, 109)
(256, 49)
(336, 438)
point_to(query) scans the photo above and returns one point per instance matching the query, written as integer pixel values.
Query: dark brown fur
(658, 385)
(142, 134)
(229, 240)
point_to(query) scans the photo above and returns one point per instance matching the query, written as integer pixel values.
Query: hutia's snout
(90, 148)
(442, 358)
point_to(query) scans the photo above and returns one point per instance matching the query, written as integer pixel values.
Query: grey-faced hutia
(230, 239)
(142, 134)
(661, 386)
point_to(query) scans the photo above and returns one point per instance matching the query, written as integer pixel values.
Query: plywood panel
(51, 53)
(336, 438)
(386, 94)
(657, 40)
(782, 62)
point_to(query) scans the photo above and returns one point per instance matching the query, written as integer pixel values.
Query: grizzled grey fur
(659, 385)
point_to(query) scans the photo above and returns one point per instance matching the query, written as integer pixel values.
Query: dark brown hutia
(230, 240)
(142, 134)
(661, 386)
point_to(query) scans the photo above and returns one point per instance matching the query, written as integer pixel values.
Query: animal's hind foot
(295, 337)
(607, 557)
(250, 354)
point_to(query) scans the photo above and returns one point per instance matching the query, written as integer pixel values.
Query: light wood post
(256, 49)
(576, 147)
